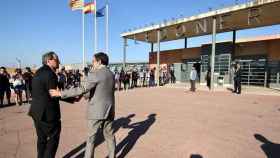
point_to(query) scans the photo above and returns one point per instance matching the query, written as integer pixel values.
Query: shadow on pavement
(271, 150)
(75, 151)
(196, 156)
(230, 89)
(7, 105)
(137, 130)
(122, 122)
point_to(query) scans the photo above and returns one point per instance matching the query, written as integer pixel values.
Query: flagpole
(83, 35)
(107, 27)
(95, 28)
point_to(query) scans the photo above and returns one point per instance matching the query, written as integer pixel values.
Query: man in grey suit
(99, 86)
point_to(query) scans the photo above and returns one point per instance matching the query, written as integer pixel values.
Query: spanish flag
(89, 8)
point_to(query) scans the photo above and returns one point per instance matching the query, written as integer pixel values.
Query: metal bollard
(278, 78)
(265, 79)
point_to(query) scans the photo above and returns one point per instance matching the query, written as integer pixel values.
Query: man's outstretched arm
(89, 83)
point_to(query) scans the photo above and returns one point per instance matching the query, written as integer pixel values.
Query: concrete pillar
(186, 42)
(233, 42)
(158, 57)
(213, 53)
(178, 72)
(152, 47)
(124, 52)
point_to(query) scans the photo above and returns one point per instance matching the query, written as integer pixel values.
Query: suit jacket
(238, 75)
(43, 106)
(100, 85)
(4, 82)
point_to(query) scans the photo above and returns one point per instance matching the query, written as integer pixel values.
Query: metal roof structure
(253, 14)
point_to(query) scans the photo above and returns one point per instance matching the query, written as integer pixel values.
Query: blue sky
(31, 27)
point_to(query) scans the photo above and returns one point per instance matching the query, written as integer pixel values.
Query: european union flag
(101, 12)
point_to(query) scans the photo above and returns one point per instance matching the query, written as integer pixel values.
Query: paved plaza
(162, 122)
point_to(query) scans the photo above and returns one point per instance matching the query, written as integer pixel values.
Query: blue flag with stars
(101, 12)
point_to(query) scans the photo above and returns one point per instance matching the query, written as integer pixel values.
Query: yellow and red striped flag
(89, 8)
(76, 4)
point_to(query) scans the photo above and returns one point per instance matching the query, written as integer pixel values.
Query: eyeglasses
(56, 60)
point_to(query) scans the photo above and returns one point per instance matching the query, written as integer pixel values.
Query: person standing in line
(208, 78)
(126, 81)
(77, 77)
(70, 79)
(237, 79)
(122, 76)
(165, 76)
(100, 85)
(172, 75)
(27, 76)
(85, 71)
(147, 78)
(144, 78)
(45, 110)
(9, 86)
(134, 77)
(161, 77)
(117, 80)
(19, 86)
(141, 77)
(4, 85)
(61, 79)
(193, 76)
(152, 78)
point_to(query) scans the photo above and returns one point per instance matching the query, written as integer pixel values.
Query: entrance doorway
(253, 72)
(188, 67)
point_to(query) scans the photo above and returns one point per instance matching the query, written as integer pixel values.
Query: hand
(55, 93)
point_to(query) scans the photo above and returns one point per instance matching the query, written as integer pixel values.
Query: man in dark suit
(4, 86)
(27, 76)
(99, 86)
(237, 79)
(45, 110)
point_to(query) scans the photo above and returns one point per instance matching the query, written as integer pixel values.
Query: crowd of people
(13, 85)
(17, 85)
(144, 78)
(68, 79)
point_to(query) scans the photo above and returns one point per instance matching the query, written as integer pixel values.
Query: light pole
(18, 62)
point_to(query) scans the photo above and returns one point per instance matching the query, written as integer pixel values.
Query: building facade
(259, 59)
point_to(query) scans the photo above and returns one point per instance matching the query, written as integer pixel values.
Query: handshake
(57, 93)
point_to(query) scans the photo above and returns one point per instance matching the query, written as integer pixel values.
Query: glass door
(253, 72)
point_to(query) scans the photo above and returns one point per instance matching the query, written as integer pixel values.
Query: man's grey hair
(48, 56)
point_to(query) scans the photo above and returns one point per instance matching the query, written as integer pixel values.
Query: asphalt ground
(161, 123)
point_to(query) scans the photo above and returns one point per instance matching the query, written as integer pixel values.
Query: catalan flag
(76, 4)
(89, 8)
